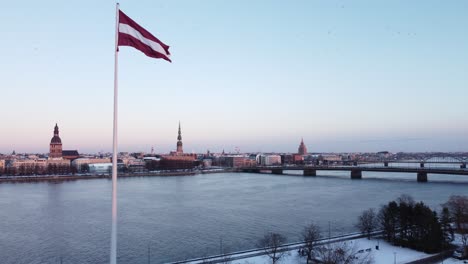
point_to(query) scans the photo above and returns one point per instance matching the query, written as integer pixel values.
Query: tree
(458, 208)
(405, 217)
(412, 225)
(343, 253)
(367, 222)
(389, 220)
(271, 245)
(445, 222)
(311, 235)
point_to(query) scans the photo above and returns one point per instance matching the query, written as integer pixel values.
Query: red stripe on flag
(127, 40)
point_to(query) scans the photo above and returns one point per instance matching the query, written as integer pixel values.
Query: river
(181, 217)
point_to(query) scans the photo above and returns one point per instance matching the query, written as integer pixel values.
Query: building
(82, 164)
(179, 149)
(178, 159)
(100, 168)
(2, 166)
(302, 150)
(56, 152)
(55, 145)
(70, 154)
(298, 158)
(236, 161)
(269, 159)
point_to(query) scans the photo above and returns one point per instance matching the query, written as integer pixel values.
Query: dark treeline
(411, 224)
(50, 169)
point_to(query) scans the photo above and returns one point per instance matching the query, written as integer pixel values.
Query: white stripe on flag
(126, 29)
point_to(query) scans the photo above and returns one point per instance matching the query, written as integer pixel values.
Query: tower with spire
(179, 142)
(55, 145)
(302, 148)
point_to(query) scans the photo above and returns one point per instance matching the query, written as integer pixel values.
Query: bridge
(422, 162)
(356, 171)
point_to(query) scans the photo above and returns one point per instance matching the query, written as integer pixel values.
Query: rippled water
(188, 216)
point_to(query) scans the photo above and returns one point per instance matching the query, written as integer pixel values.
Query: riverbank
(58, 178)
(375, 249)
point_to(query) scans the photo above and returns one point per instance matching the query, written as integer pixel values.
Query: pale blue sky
(345, 75)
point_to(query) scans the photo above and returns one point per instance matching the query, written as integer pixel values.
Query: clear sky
(259, 75)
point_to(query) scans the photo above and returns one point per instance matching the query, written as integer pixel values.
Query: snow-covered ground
(453, 261)
(384, 255)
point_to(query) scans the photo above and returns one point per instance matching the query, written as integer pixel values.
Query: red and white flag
(133, 35)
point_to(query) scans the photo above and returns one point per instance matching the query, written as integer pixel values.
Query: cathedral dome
(56, 140)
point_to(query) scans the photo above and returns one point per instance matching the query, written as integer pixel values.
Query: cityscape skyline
(351, 77)
(231, 149)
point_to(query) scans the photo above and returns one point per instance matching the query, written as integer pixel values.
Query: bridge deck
(427, 170)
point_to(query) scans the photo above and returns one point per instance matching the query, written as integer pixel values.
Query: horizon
(349, 77)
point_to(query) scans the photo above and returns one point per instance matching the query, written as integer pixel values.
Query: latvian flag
(132, 34)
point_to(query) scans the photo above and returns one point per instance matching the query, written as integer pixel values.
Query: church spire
(179, 137)
(179, 141)
(302, 148)
(56, 130)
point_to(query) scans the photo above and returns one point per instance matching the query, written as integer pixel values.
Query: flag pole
(113, 251)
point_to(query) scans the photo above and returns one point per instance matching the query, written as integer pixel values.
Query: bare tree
(406, 199)
(271, 245)
(458, 208)
(311, 236)
(344, 253)
(367, 222)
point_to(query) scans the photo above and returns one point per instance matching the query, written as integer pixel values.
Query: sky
(347, 76)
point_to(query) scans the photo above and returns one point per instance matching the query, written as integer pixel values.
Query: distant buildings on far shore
(59, 161)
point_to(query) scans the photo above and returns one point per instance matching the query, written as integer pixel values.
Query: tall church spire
(302, 148)
(179, 141)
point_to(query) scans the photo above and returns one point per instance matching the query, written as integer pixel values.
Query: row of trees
(404, 222)
(407, 223)
(313, 250)
(51, 169)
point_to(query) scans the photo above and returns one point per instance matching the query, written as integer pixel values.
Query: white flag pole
(113, 251)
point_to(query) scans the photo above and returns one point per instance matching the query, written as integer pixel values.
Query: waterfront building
(70, 154)
(80, 162)
(302, 150)
(178, 159)
(269, 159)
(100, 168)
(37, 166)
(298, 158)
(55, 145)
(56, 152)
(236, 161)
(207, 163)
(2, 166)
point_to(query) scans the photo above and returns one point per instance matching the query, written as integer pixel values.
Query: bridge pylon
(277, 171)
(422, 177)
(356, 174)
(310, 172)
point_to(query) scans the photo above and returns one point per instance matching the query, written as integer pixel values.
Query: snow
(385, 254)
(454, 261)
